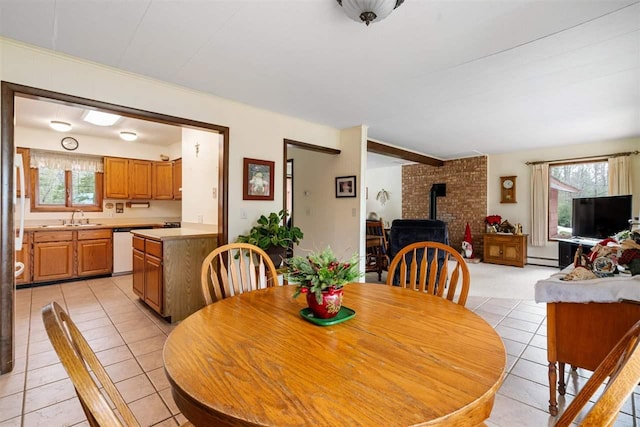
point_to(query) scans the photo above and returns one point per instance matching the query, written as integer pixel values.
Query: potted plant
(273, 236)
(321, 276)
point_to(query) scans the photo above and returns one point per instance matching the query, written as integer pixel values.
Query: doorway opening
(11, 91)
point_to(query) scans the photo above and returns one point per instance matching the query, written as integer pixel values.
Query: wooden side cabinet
(95, 255)
(505, 249)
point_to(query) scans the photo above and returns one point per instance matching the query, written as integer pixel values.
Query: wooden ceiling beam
(386, 150)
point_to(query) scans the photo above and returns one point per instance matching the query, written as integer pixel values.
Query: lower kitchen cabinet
(53, 255)
(24, 256)
(166, 273)
(94, 252)
(505, 249)
(65, 254)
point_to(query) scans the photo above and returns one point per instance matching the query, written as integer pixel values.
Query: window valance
(52, 160)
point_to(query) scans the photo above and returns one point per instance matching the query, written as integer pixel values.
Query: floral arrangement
(320, 271)
(493, 219)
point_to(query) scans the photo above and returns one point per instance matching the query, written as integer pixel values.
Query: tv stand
(567, 249)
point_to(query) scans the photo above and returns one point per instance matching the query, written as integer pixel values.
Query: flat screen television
(600, 217)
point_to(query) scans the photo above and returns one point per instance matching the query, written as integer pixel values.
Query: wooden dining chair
(622, 366)
(84, 369)
(236, 268)
(376, 247)
(424, 266)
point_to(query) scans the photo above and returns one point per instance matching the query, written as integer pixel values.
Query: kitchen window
(65, 183)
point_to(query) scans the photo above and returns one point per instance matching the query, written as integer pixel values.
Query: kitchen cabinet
(24, 256)
(66, 254)
(53, 255)
(166, 272)
(94, 252)
(140, 179)
(147, 272)
(127, 178)
(162, 181)
(505, 249)
(177, 179)
(26, 158)
(116, 178)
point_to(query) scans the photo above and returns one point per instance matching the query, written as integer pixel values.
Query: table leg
(561, 384)
(553, 402)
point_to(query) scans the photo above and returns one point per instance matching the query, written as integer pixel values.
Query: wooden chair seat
(376, 248)
(236, 268)
(424, 266)
(84, 370)
(622, 366)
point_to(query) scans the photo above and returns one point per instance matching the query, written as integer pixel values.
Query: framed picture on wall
(346, 186)
(257, 183)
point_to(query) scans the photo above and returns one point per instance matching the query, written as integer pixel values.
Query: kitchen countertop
(174, 233)
(91, 226)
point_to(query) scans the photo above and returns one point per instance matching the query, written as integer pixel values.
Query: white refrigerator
(19, 205)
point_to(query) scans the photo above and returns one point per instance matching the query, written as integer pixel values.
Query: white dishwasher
(122, 249)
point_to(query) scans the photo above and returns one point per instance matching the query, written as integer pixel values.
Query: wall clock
(508, 189)
(69, 143)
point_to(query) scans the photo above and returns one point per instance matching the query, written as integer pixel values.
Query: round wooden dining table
(406, 358)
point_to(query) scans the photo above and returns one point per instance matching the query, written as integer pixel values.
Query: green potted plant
(321, 276)
(272, 235)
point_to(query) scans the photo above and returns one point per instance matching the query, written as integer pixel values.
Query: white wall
(254, 132)
(324, 219)
(200, 176)
(389, 178)
(514, 164)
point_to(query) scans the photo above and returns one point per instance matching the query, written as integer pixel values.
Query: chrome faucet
(73, 221)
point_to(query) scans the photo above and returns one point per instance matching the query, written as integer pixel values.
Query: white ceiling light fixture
(369, 11)
(60, 126)
(99, 118)
(128, 136)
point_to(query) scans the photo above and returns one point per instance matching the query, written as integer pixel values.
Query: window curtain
(66, 162)
(619, 177)
(539, 203)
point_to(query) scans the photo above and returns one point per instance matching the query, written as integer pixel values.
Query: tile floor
(128, 339)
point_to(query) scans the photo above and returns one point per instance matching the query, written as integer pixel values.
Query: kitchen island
(166, 268)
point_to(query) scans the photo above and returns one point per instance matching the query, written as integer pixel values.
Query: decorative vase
(330, 306)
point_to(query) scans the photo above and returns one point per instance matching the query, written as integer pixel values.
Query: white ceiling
(444, 78)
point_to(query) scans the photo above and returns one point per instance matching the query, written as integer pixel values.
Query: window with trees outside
(568, 181)
(59, 190)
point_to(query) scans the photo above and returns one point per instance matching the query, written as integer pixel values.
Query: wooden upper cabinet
(177, 179)
(116, 178)
(162, 180)
(26, 158)
(140, 179)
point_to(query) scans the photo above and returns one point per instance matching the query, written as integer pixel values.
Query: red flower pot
(330, 306)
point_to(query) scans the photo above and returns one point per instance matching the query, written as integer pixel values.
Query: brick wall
(465, 202)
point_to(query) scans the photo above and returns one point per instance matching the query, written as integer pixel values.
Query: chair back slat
(622, 366)
(236, 268)
(432, 267)
(78, 360)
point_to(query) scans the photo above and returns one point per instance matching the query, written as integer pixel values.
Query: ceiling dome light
(60, 126)
(369, 11)
(128, 136)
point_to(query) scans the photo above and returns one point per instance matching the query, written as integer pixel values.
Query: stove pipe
(437, 190)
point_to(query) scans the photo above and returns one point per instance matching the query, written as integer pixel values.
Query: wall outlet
(353, 212)
(243, 214)
(200, 219)
(214, 193)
